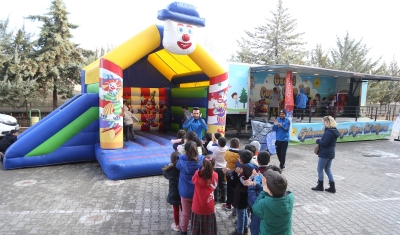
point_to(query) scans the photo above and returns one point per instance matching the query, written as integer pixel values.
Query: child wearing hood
(172, 175)
(187, 164)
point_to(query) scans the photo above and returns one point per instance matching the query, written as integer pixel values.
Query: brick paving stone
(64, 197)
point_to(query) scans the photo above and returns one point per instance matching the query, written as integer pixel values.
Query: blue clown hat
(181, 12)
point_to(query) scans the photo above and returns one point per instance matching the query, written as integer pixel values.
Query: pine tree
(276, 42)
(17, 69)
(243, 97)
(244, 54)
(58, 58)
(320, 58)
(385, 92)
(353, 56)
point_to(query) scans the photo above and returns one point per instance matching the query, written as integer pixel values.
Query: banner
(304, 133)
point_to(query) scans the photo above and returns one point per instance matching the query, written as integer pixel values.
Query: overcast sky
(103, 23)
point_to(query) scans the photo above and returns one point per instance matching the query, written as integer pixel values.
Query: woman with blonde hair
(326, 154)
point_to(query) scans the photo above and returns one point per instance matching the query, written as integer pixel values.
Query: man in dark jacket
(6, 142)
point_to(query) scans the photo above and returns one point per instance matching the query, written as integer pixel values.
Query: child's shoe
(175, 227)
(226, 206)
(246, 231)
(235, 233)
(233, 212)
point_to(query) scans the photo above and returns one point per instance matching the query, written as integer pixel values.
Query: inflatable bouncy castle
(161, 65)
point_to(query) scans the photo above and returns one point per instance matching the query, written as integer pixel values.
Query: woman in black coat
(326, 154)
(171, 173)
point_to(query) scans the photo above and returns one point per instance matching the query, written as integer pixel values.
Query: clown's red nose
(185, 37)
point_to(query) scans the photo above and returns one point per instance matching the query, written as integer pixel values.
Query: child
(6, 142)
(128, 123)
(274, 205)
(180, 139)
(208, 139)
(187, 165)
(172, 174)
(255, 188)
(257, 145)
(231, 157)
(191, 136)
(252, 149)
(167, 118)
(219, 156)
(203, 220)
(217, 135)
(242, 173)
(263, 160)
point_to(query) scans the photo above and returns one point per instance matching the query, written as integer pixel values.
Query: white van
(7, 123)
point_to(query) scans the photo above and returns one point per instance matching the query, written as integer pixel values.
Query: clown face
(178, 37)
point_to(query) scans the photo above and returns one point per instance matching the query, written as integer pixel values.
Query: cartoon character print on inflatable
(181, 21)
(110, 100)
(149, 110)
(218, 101)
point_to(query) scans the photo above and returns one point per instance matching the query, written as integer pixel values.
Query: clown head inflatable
(181, 22)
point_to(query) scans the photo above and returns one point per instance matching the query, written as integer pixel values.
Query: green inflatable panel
(196, 92)
(66, 133)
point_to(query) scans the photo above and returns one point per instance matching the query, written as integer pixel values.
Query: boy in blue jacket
(281, 127)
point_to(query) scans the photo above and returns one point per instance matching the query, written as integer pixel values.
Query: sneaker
(175, 227)
(283, 168)
(226, 206)
(298, 120)
(235, 233)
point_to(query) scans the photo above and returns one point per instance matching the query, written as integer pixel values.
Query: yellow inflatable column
(111, 105)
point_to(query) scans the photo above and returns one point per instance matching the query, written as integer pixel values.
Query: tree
(245, 53)
(385, 92)
(320, 58)
(243, 97)
(276, 42)
(353, 56)
(58, 58)
(17, 69)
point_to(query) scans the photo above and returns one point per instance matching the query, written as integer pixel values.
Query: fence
(22, 114)
(376, 112)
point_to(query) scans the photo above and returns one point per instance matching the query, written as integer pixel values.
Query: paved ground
(78, 198)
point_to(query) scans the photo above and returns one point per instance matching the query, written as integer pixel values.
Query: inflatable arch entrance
(150, 69)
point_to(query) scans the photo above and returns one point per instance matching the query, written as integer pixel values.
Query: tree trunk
(55, 97)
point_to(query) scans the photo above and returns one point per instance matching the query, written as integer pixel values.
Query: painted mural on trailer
(262, 83)
(238, 96)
